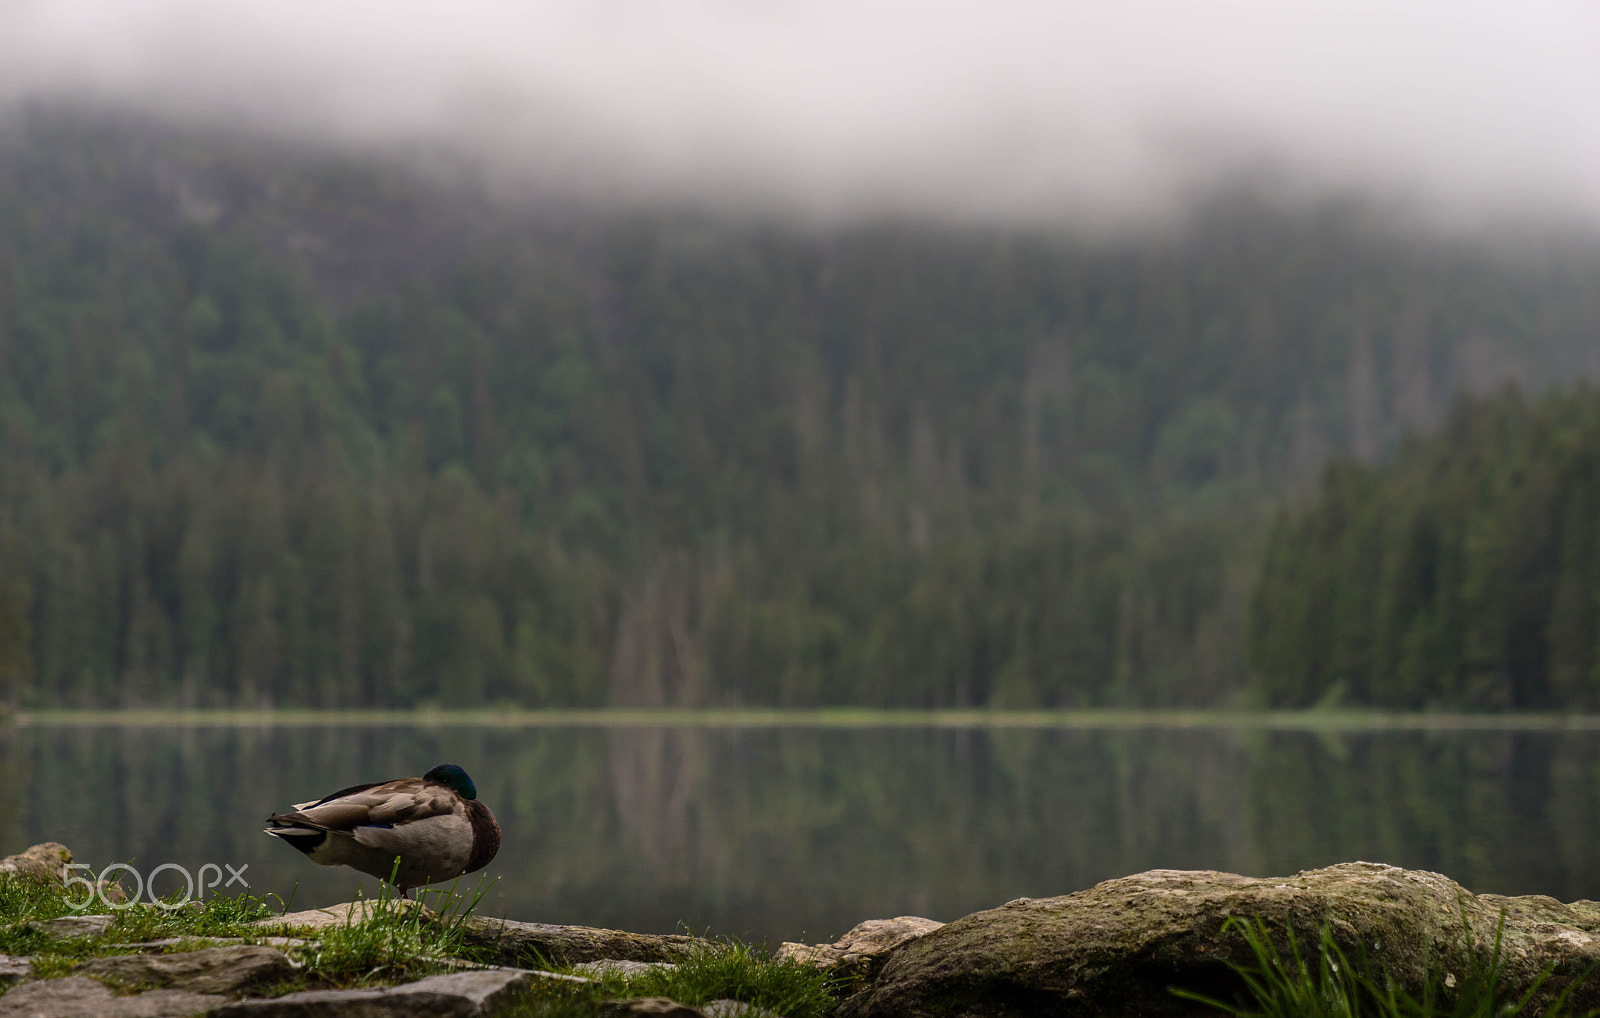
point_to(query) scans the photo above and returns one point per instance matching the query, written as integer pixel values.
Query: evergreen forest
(281, 426)
(1464, 573)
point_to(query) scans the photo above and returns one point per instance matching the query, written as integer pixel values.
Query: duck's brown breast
(485, 835)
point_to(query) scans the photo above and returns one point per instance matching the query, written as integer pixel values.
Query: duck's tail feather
(305, 839)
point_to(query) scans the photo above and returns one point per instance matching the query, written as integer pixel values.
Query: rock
(1116, 948)
(655, 1007)
(559, 977)
(620, 967)
(43, 863)
(736, 1009)
(342, 914)
(72, 927)
(76, 996)
(46, 863)
(858, 952)
(513, 943)
(13, 968)
(222, 970)
(112, 893)
(200, 942)
(457, 995)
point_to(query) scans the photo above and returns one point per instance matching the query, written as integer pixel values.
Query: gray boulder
(1118, 947)
(218, 970)
(76, 996)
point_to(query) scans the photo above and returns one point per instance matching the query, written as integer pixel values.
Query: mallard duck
(434, 824)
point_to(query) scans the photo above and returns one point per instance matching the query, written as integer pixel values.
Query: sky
(1002, 109)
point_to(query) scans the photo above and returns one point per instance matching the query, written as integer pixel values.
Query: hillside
(1461, 574)
(294, 427)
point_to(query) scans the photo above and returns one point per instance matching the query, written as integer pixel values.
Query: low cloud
(1010, 109)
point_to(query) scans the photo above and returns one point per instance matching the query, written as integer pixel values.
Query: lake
(773, 831)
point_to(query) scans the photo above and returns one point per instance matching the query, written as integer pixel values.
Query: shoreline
(1314, 719)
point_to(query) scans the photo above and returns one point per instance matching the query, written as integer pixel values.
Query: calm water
(798, 833)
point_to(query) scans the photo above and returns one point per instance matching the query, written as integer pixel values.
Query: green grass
(391, 941)
(736, 972)
(1327, 984)
(23, 901)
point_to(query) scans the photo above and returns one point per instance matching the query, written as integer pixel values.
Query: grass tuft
(734, 972)
(1328, 985)
(393, 940)
(740, 972)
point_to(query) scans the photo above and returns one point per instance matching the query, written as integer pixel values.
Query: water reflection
(783, 833)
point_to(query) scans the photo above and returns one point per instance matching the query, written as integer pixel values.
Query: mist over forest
(286, 424)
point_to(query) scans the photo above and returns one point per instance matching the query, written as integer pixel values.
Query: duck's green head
(454, 778)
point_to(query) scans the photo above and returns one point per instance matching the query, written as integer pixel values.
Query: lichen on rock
(1119, 947)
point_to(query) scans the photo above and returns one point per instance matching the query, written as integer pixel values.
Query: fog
(1009, 109)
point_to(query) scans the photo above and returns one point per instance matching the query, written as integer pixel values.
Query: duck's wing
(384, 805)
(341, 793)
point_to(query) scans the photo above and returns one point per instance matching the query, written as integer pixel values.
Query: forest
(1463, 573)
(281, 426)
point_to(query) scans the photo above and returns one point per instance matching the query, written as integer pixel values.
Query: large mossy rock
(1119, 947)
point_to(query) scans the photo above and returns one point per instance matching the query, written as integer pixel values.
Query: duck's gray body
(433, 824)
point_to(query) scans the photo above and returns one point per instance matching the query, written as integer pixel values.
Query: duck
(434, 825)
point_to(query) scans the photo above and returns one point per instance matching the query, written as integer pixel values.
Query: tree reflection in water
(789, 832)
